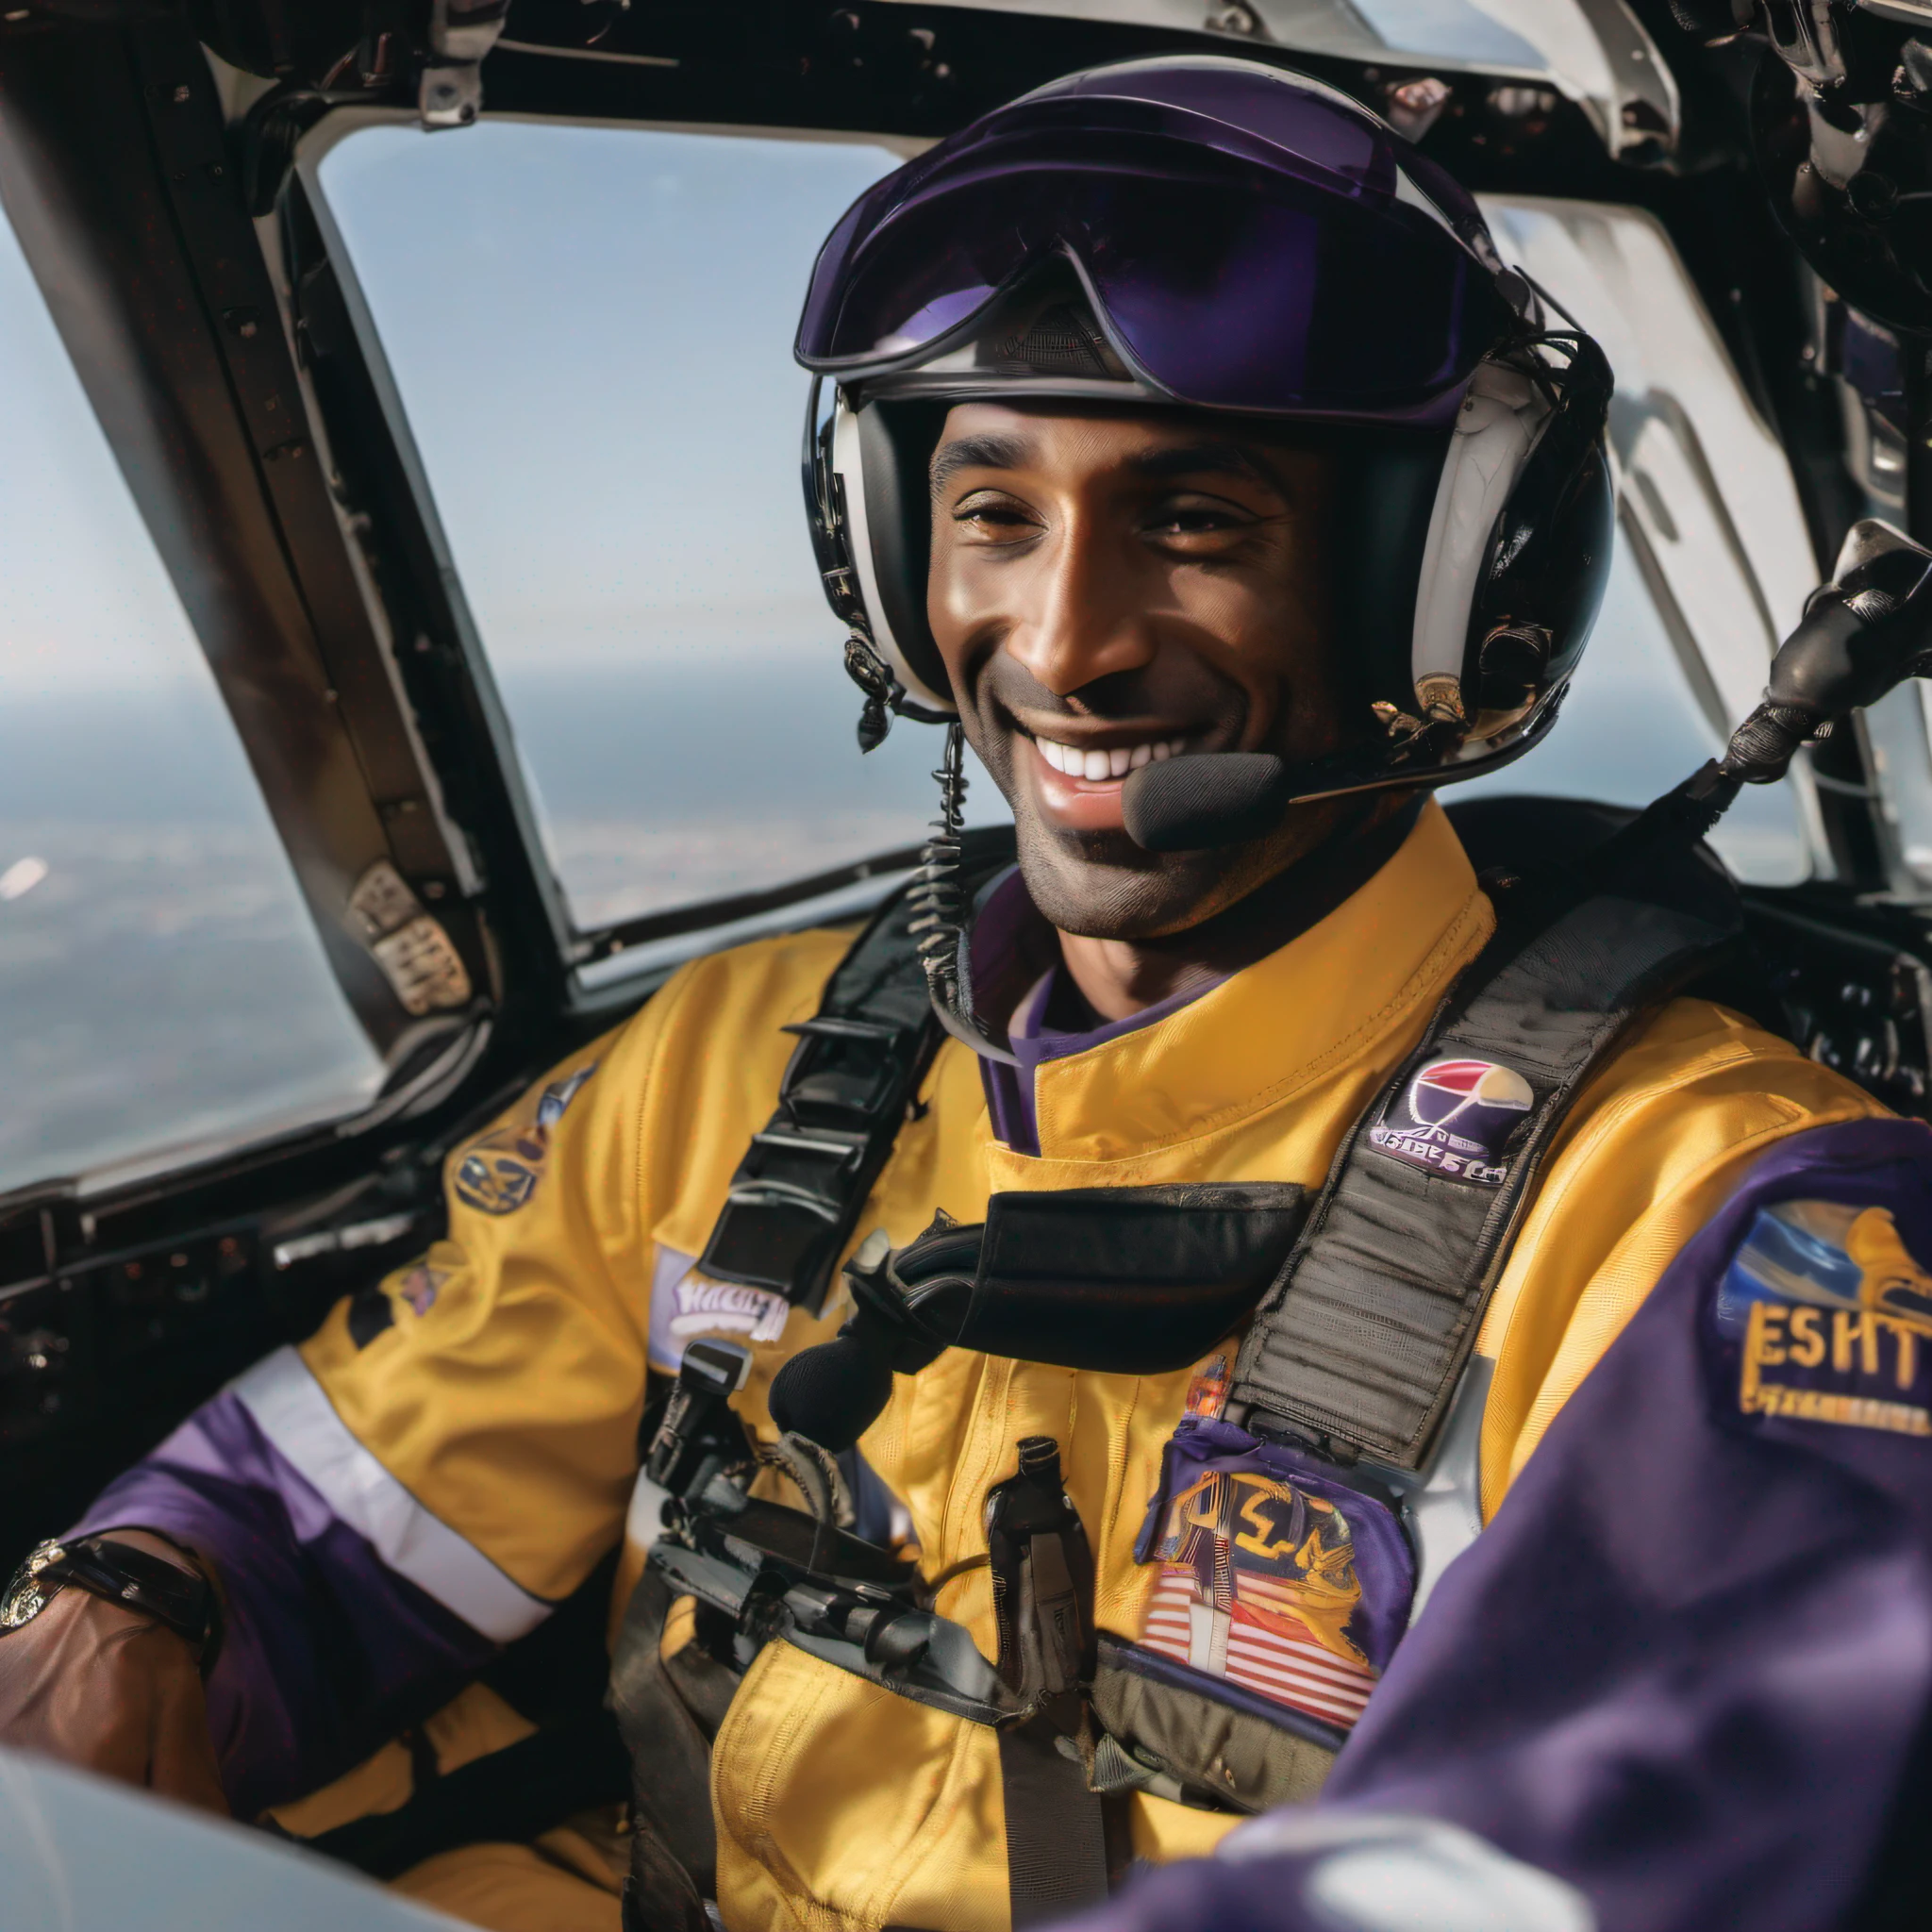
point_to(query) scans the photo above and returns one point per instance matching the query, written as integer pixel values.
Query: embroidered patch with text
(499, 1173)
(703, 1306)
(1273, 1575)
(1830, 1319)
(1453, 1119)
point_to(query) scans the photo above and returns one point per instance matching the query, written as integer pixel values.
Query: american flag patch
(1277, 1662)
(1258, 1586)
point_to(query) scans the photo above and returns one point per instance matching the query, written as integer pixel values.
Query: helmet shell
(1238, 239)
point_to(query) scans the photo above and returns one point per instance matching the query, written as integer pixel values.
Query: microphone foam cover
(1212, 798)
(833, 1393)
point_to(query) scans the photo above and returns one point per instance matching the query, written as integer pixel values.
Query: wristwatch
(166, 1592)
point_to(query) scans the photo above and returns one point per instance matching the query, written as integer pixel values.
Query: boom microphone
(1191, 804)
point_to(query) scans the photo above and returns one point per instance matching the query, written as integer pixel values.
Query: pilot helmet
(1222, 235)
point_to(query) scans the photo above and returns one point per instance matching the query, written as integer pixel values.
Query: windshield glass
(1711, 564)
(164, 988)
(589, 332)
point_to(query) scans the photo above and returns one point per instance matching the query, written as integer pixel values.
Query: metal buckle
(758, 1193)
(461, 32)
(845, 1151)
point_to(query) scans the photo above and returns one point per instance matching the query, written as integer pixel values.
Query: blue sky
(629, 504)
(591, 331)
(84, 601)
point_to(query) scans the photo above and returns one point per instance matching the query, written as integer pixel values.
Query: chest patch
(499, 1173)
(1273, 1576)
(685, 1304)
(1453, 1119)
(1824, 1316)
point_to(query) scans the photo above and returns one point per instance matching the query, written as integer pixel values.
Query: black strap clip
(803, 1183)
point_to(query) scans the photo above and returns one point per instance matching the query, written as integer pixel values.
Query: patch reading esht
(1454, 1118)
(1832, 1318)
(500, 1171)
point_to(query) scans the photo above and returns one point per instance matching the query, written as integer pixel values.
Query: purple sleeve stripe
(328, 1650)
(290, 1409)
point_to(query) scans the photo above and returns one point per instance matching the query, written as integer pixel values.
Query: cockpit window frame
(608, 962)
(370, 653)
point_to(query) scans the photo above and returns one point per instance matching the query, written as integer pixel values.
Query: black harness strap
(1056, 1831)
(512, 1795)
(670, 1749)
(803, 1182)
(1362, 1339)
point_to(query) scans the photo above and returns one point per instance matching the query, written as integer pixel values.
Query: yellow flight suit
(508, 1408)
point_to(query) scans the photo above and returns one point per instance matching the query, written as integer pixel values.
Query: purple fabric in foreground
(327, 1652)
(1688, 1667)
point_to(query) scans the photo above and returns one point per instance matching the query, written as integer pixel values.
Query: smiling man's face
(1108, 589)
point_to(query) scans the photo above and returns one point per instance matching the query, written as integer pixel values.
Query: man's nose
(1078, 618)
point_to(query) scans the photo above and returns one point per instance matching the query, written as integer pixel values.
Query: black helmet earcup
(1385, 485)
(896, 442)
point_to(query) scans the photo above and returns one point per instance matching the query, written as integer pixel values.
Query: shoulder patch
(499, 1171)
(1453, 1119)
(1824, 1316)
(1273, 1576)
(685, 1304)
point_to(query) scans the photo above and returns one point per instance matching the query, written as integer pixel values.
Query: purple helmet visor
(1277, 254)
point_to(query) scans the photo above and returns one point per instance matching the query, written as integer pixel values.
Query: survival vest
(1361, 1306)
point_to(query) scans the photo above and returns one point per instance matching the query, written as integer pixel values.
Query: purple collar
(1008, 935)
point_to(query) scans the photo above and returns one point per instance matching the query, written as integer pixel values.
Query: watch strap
(169, 1592)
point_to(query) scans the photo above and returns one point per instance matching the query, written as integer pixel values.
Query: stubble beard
(1102, 886)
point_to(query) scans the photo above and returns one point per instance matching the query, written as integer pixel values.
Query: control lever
(700, 1433)
(1867, 631)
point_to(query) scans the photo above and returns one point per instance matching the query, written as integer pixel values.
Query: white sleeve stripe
(290, 1409)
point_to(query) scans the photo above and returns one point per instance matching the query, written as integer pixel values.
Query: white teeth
(1116, 762)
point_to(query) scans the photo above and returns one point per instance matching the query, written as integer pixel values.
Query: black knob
(833, 1393)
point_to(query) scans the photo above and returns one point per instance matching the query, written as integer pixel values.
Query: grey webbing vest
(1355, 1350)
(1361, 1340)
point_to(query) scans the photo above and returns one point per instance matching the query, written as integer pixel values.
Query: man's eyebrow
(1207, 459)
(978, 453)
